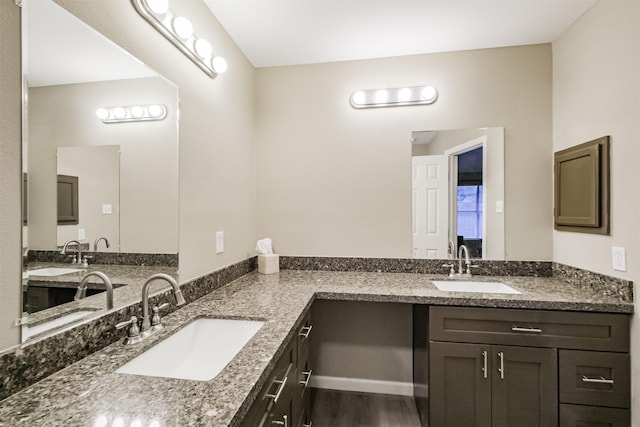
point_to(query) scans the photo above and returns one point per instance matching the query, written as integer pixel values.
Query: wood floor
(348, 409)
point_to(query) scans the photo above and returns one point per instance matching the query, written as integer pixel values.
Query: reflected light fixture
(179, 31)
(419, 95)
(132, 113)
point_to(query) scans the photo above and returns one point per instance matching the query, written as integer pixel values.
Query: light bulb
(120, 112)
(159, 7)
(102, 113)
(381, 96)
(136, 423)
(202, 48)
(154, 423)
(137, 111)
(358, 97)
(156, 110)
(101, 421)
(429, 93)
(182, 27)
(404, 95)
(219, 64)
(118, 422)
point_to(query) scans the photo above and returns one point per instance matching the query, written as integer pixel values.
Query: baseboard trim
(362, 385)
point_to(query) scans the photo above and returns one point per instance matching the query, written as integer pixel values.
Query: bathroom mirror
(458, 193)
(127, 172)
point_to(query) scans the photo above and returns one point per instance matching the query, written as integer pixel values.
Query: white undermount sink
(471, 286)
(199, 351)
(53, 271)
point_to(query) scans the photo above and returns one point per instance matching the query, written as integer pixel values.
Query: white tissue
(264, 247)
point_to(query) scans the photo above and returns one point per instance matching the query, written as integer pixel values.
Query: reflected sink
(199, 351)
(29, 331)
(480, 287)
(53, 271)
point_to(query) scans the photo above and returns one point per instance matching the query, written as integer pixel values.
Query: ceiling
(288, 32)
(61, 49)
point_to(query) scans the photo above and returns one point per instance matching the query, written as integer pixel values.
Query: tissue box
(268, 264)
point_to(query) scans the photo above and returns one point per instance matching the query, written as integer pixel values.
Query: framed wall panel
(581, 188)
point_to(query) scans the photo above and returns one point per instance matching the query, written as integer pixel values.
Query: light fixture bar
(132, 113)
(179, 31)
(395, 97)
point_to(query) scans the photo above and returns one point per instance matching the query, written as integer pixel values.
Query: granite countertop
(90, 391)
(127, 281)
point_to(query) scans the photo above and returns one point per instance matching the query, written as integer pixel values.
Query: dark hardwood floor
(348, 409)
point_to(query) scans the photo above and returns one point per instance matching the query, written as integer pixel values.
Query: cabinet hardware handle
(305, 331)
(601, 380)
(284, 421)
(484, 364)
(532, 330)
(308, 425)
(305, 382)
(501, 368)
(278, 392)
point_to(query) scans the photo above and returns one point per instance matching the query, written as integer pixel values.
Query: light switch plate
(107, 209)
(618, 258)
(219, 242)
(81, 235)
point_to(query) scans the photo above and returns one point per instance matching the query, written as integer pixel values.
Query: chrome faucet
(79, 250)
(82, 287)
(467, 261)
(146, 322)
(95, 244)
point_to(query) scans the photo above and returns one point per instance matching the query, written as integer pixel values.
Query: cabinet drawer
(280, 382)
(534, 328)
(595, 378)
(593, 416)
(304, 334)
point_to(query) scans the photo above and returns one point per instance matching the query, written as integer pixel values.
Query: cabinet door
(460, 384)
(524, 387)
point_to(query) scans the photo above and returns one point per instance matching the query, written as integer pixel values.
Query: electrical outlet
(81, 235)
(618, 258)
(107, 209)
(219, 242)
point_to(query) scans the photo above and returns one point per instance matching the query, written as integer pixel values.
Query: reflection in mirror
(126, 173)
(458, 193)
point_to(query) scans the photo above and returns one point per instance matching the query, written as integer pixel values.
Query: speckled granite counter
(89, 389)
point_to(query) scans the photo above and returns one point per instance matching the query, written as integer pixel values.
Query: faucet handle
(452, 270)
(133, 334)
(156, 320)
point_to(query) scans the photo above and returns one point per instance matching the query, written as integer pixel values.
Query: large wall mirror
(126, 173)
(458, 193)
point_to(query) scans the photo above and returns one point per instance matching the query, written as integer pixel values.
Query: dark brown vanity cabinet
(512, 367)
(285, 399)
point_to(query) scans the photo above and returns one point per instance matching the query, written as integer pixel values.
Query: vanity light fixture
(132, 113)
(419, 95)
(179, 31)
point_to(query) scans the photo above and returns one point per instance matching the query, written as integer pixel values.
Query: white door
(430, 206)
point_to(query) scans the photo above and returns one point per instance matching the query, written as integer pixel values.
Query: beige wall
(596, 78)
(217, 166)
(336, 181)
(10, 174)
(64, 116)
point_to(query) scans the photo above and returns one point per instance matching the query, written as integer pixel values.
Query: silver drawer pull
(284, 422)
(305, 382)
(308, 425)
(278, 392)
(601, 380)
(305, 331)
(531, 330)
(501, 368)
(484, 364)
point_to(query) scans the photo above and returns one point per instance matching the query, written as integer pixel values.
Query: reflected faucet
(451, 249)
(82, 287)
(79, 250)
(95, 244)
(146, 322)
(467, 261)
